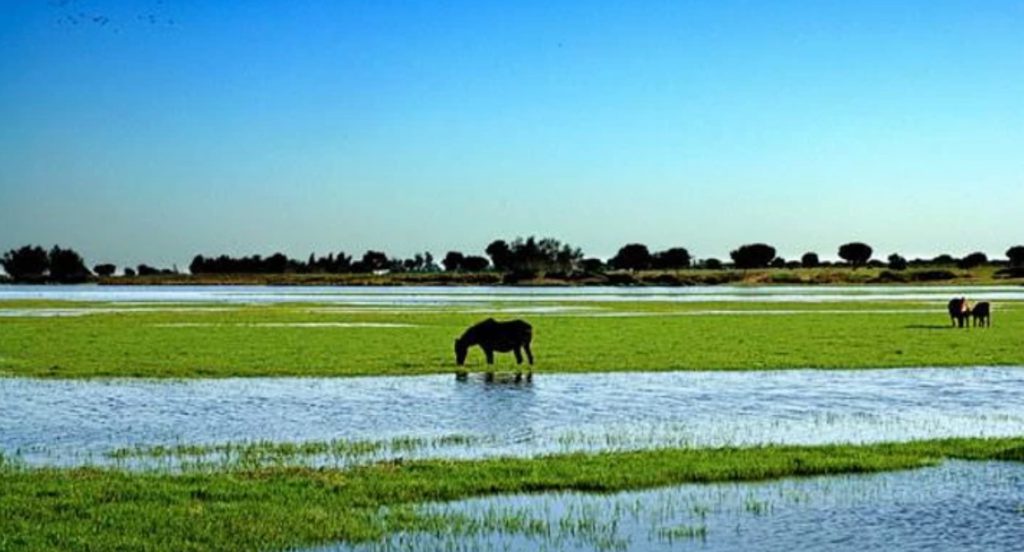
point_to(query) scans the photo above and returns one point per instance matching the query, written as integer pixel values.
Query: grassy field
(255, 505)
(278, 508)
(178, 340)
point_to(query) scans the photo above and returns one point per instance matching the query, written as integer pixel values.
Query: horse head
(461, 349)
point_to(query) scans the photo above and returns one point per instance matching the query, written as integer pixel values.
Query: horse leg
(529, 354)
(489, 353)
(519, 355)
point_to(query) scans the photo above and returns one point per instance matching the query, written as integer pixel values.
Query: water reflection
(472, 295)
(65, 421)
(955, 506)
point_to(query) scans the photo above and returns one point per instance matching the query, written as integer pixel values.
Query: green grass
(278, 508)
(237, 340)
(253, 454)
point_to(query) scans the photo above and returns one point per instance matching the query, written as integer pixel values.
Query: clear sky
(154, 130)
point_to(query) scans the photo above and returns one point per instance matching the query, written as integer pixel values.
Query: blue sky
(154, 130)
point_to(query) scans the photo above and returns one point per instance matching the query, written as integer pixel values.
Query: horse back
(514, 330)
(506, 335)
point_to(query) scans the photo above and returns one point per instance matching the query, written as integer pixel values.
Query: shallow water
(954, 506)
(443, 296)
(71, 421)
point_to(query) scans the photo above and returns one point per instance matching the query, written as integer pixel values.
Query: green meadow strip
(286, 507)
(321, 340)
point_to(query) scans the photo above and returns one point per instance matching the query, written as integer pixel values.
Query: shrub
(621, 279)
(521, 275)
(785, 278)
(1016, 255)
(592, 266)
(896, 262)
(931, 275)
(890, 276)
(676, 257)
(1010, 272)
(475, 263)
(712, 264)
(105, 270)
(973, 260)
(663, 280)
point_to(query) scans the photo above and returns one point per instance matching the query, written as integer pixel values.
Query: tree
(1015, 254)
(754, 255)
(105, 270)
(28, 264)
(341, 263)
(129, 272)
(896, 262)
(973, 260)
(500, 254)
(778, 262)
(712, 264)
(373, 260)
(633, 256)
(533, 256)
(453, 261)
(275, 264)
(198, 265)
(67, 266)
(475, 263)
(592, 265)
(421, 262)
(944, 259)
(855, 253)
(809, 260)
(146, 270)
(428, 262)
(672, 258)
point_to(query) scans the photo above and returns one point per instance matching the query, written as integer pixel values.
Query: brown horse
(959, 310)
(491, 335)
(982, 314)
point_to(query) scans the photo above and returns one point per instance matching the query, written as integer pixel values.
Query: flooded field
(72, 422)
(956, 506)
(225, 383)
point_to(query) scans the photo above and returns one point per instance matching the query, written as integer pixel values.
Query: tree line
(520, 257)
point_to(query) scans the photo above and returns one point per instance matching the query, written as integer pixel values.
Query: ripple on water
(952, 507)
(71, 420)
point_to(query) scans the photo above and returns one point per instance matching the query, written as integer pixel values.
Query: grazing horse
(491, 335)
(982, 314)
(959, 310)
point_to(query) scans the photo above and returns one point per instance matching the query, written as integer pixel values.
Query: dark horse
(982, 314)
(491, 335)
(959, 310)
